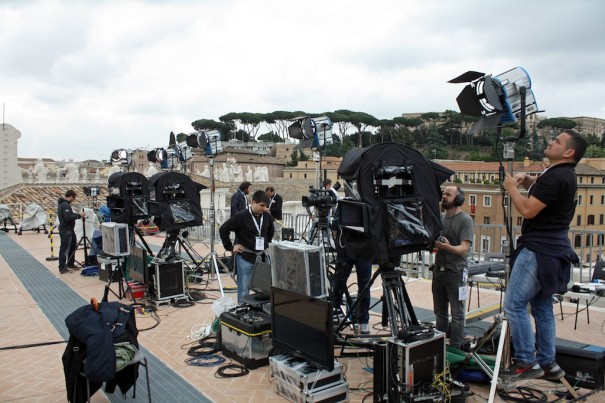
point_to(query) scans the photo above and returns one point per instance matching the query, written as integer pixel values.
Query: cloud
(81, 79)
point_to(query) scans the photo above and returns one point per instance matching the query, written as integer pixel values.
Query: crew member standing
(253, 230)
(239, 202)
(450, 271)
(67, 222)
(275, 206)
(542, 259)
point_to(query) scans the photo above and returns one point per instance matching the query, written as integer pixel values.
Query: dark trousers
(68, 248)
(445, 287)
(364, 274)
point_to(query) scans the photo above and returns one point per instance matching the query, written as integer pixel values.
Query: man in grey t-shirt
(450, 271)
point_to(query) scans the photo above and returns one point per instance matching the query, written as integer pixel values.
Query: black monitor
(261, 279)
(354, 215)
(137, 264)
(302, 326)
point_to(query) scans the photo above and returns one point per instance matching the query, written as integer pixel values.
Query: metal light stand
(83, 241)
(123, 290)
(212, 257)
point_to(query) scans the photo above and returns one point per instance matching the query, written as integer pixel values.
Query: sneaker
(73, 267)
(64, 270)
(364, 328)
(553, 372)
(520, 371)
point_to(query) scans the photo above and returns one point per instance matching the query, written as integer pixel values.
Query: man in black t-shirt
(541, 262)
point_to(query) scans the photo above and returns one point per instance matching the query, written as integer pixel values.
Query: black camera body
(319, 198)
(91, 191)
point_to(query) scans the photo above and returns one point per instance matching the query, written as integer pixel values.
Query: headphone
(459, 199)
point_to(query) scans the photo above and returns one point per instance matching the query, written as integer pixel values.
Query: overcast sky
(82, 78)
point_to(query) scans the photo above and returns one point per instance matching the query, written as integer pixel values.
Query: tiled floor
(35, 373)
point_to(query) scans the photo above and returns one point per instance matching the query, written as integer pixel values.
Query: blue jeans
(364, 273)
(445, 287)
(522, 289)
(245, 269)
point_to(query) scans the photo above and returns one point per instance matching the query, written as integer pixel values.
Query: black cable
(183, 303)
(204, 347)
(525, 393)
(239, 370)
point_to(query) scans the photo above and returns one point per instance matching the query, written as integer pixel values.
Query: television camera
(91, 191)
(323, 200)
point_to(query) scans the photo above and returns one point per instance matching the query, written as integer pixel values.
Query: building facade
(10, 174)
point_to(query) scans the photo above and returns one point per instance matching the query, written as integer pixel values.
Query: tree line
(438, 135)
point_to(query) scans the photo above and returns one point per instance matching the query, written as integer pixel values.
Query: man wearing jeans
(449, 282)
(543, 256)
(253, 230)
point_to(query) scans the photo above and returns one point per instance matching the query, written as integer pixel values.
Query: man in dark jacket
(238, 200)
(253, 230)
(275, 206)
(67, 222)
(543, 257)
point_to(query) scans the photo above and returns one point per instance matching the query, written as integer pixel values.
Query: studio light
(313, 133)
(207, 140)
(121, 156)
(496, 100)
(157, 155)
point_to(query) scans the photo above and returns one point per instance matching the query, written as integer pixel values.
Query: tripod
(83, 242)
(397, 303)
(121, 279)
(212, 257)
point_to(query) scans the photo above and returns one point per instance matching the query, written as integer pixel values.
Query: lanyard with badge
(260, 241)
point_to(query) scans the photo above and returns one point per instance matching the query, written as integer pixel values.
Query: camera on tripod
(319, 198)
(91, 191)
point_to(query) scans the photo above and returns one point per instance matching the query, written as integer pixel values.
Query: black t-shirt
(556, 188)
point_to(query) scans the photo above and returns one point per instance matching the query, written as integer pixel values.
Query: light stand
(83, 241)
(212, 257)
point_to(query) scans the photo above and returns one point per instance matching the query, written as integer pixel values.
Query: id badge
(260, 243)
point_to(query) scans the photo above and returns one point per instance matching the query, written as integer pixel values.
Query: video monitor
(302, 326)
(137, 264)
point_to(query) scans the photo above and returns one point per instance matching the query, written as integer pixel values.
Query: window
(581, 179)
(590, 200)
(600, 219)
(602, 199)
(487, 201)
(600, 239)
(472, 200)
(485, 243)
(579, 200)
(592, 179)
(588, 240)
(577, 241)
(305, 175)
(590, 219)
(579, 220)
(486, 220)
(519, 221)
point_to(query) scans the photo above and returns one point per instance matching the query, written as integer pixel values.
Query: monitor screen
(137, 264)
(302, 326)
(261, 279)
(354, 215)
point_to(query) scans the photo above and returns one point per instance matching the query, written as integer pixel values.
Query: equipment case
(301, 374)
(333, 394)
(414, 364)
(245, 336)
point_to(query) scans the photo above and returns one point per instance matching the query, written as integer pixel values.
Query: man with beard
(450, 271)
(540, 264)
